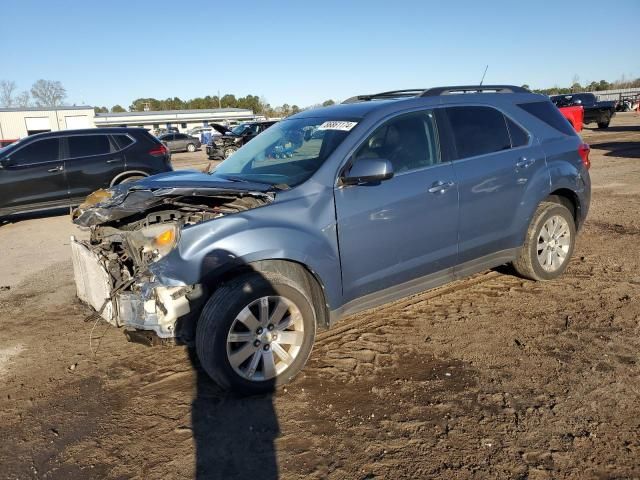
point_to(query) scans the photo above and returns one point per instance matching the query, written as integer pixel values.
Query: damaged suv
(330, 212)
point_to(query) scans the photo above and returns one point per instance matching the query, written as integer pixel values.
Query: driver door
(403, 229)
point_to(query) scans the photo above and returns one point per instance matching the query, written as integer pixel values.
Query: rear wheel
(256, 332)
(549, 243)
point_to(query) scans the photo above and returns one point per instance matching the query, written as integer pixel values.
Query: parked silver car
(179, 142)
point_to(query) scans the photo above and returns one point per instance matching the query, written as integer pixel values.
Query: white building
(183, 120)
(16, 123)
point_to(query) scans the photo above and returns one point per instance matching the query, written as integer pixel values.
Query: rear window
(549, 114)
(87, 145)
(478, 130)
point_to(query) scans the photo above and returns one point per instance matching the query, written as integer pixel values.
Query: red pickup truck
(575, 115)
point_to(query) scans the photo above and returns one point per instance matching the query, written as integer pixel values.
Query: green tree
(117, 109)
(101, 110)
(328, 103)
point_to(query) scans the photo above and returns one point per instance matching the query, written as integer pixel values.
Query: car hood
(190, 179)
(127, 199)
(222, 129)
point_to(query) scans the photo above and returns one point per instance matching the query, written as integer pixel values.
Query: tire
(132, 178)
(530, 263)
(228, 151)
(244, 366)
(604, 123)
(191, 148)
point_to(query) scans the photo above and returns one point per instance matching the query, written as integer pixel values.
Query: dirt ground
(490, 377)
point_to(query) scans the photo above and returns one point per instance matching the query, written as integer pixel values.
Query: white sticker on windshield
(337, 125)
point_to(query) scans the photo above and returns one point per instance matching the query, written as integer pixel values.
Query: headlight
(156, 241)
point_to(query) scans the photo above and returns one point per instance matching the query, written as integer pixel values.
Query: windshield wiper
(277, 186)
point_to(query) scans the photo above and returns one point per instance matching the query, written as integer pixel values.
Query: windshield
(238, 130)
(287, 153)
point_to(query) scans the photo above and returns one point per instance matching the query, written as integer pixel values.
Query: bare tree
(22, 100)
(48, 93)
(7, 88)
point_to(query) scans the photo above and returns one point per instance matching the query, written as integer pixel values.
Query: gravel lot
(490, 377)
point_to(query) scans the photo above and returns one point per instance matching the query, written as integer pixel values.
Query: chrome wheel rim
(191, 148)
(265, 338)
(228, 152)
(554, 241)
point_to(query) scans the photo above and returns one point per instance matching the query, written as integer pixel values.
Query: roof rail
(410, 92)
(437, 91)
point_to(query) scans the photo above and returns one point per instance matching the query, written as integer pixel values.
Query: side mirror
(368, 170)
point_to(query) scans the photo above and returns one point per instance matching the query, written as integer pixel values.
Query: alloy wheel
(265, 338)
(554, 241)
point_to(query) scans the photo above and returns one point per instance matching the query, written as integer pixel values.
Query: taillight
(159, 150)
(583, 151)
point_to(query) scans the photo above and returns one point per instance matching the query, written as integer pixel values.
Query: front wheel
(256, 332)
(228, 151)
(549, 243)
(604, 123)
(191, 148)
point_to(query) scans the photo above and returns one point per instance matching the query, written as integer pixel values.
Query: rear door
(92, 161)
(180, 141)
(494, 160)
(169, 141)
(34, 175)
(403, 228)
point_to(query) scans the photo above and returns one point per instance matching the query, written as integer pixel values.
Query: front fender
(207, 250)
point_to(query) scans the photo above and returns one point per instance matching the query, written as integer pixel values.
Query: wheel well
(569, 199)
(130, 173)
(295, 271)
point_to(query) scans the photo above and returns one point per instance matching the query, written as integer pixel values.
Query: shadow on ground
(19, 217)
(234, 436)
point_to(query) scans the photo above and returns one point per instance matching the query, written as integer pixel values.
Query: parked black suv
(226, 144)
(59, 169)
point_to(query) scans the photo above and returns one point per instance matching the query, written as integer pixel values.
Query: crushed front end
(130, 229)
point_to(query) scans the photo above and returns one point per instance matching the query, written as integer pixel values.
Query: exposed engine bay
(131, 228)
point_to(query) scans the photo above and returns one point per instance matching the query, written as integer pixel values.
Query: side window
(123, 141)
(519, 137)
(409, 142)
(478, 130)
(41, 151)
(88, 145)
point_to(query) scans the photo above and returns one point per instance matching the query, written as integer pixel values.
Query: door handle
(525, 162)
(59, 168)
(114, 160)
(440, 187)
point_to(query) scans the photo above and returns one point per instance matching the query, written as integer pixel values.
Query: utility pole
(219, 102)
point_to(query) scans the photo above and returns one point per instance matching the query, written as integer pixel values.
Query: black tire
(228, 151)
(527, 263)
(191, 147)
(604, 123)
(132, 178)
(217, 319)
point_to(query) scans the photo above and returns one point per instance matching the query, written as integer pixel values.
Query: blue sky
(303, 52)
